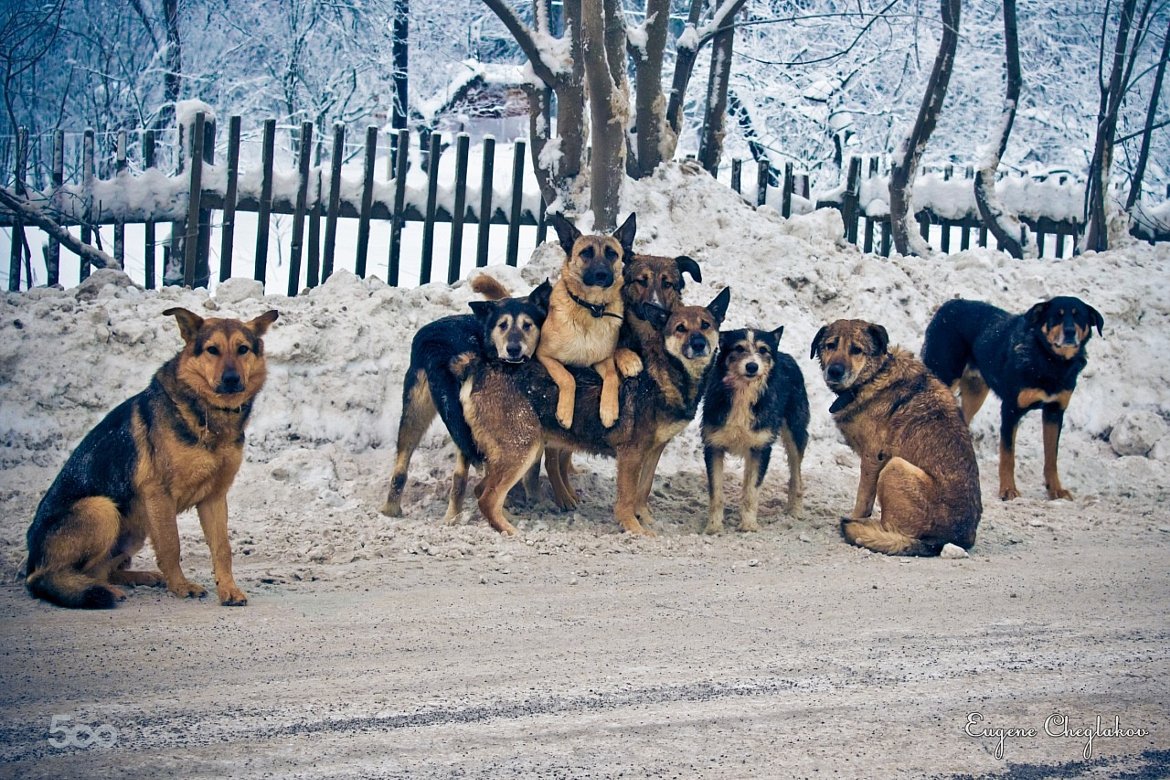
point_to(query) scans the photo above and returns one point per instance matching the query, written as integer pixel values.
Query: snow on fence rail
(319, 197)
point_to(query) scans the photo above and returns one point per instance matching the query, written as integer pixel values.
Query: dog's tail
(70, 588)
(874, 537)
(489, 288)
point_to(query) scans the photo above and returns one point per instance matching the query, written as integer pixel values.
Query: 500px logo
(81, 735)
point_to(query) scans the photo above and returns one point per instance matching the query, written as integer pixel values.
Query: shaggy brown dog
(916, 454)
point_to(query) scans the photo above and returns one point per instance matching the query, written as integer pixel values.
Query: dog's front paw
(565, 413)
(1053, 495)
(185, 589)
(608, 414)
(232, 597)
(749, 524)
(714, 526)
(1009, 493)
(628, 363)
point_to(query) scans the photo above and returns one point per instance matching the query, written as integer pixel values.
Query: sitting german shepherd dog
(175, 445)
(512, 413)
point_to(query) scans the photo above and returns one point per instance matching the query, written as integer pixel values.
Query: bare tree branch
(37, 216)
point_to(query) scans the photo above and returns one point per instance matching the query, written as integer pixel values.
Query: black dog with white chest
(755, 395)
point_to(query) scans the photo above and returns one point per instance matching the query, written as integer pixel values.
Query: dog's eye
(764, 352)
(242, 349)
(526, 327)
(609, 253)
(739, 350)
(705, 325)
(680, 328)
(854, 350)
(587, 253)
(643, 282)
(213, 350)
(667, 284)
(503, 326)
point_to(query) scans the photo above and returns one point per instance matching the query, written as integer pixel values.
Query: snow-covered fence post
(401, 163)
(432, 154)
(762, 171)
(786, 193)
(459, 211)
(228, 234)
(297, 244)
(119, 221)
(18, 239)
(850, 199)
(331, 214)
(363, 239)
(485, 201)
(736, 175)
(264, 209)
(87, 149)
(517, 197)
(53, 250)
(195, 194)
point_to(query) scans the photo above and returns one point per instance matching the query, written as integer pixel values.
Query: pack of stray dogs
(608, 360)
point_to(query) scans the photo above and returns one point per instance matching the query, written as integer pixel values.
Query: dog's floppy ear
(260, 325)
(1035, 315)
(778, 333)
(816, 342)
(687, 265)
(1096, 318)
(881, 339)
(567, 232)
(625, 237)
(540, 295)
(189, 322)
(718, 307)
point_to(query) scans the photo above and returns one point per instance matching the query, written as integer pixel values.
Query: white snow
(321, 443)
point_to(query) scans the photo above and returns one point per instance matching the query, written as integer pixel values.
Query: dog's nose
(1070, 335)
(514, 350)
(751, 368)
(598, 277)
(230, 381)
(835, 372)
(698, 345)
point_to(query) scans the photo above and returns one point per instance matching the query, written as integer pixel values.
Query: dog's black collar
(843, 400)
(596, 309)
(232, 409)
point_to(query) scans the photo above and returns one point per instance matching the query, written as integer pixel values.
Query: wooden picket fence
(321, 200)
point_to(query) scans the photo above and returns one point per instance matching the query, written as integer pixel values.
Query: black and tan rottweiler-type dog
(175, 445)
(652, 284)
(916, 454)
(1030, 360)
(755, 395)
(585, 316)
(513, 414)
(502, 329)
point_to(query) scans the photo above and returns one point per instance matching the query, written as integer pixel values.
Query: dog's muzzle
(834, 374)
(598, 277)
(696, 347)
(230, 383)
(514, 353)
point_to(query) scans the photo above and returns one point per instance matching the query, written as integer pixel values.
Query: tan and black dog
(512, 413)
(585, 316)
(916, 454)
(175, 445)
(652, 284)
(1030, 360)
(500, 328)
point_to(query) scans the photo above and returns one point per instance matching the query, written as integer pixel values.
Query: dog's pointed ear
(725, 339)
(567, 232)
(816, 342)
(778, 333)
(718, 307)
(189, 322)
(481, 309)
(656, 316)
(881, 338)
(540, 295)
(687, 265)
(1035, 315)
(260, 324)
(1096, 318)
(625, 236)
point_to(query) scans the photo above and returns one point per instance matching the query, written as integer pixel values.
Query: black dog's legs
(1053, 420)
(1009, 415)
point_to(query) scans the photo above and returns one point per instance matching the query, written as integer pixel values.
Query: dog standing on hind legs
(177, 444)
(917, 459)
(755, 395)
(1030, 360)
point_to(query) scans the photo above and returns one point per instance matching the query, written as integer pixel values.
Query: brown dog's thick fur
(512, 412)
(178, 444)
(917, 458)
(585, 316)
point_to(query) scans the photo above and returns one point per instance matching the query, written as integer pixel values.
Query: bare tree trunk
(715, 114)
(608, 113)
(1135, 188)
(1006, 228)
(173, 59)
(401, 56)
(687, 50)
(905, 162)
(33, 213)
(1096, 230)
(651, 131)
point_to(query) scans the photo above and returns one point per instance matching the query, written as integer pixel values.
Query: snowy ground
(405, 648)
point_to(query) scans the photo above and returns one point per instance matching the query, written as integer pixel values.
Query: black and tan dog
(585, 316)
(916, 454)
(175, 445)
(513, 414)
(755, 395)
(1030, 360)
(502, 329)
(652, 285)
